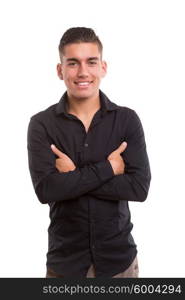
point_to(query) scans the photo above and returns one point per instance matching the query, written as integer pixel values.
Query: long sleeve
(134, 184)
(49, 184)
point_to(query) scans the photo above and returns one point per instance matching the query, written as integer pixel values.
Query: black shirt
(89, 212)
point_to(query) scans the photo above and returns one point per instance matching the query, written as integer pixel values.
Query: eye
(92, 62)
(72, 64)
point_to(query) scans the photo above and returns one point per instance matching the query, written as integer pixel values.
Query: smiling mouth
(83, 83)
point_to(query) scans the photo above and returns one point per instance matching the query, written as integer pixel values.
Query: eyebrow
(76, 60)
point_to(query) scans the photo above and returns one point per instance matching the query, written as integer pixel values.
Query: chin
(83, 95)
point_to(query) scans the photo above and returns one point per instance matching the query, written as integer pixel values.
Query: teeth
(83, 83)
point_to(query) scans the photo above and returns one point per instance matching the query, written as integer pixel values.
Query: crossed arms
(65, 164)
(114, 178)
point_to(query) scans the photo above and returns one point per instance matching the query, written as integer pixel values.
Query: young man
(87, 159)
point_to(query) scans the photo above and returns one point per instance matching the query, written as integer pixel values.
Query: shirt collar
(106, 104)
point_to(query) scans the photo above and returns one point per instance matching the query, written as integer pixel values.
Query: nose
(82, 70)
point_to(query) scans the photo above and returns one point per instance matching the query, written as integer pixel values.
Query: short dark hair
(79, 35)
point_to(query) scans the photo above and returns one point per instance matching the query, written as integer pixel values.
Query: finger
(56, 151)
(122, 147)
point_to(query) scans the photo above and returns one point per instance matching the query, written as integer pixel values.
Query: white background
(144, 46)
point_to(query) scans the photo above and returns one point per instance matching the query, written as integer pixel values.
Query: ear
(59, 71)
(104, 68)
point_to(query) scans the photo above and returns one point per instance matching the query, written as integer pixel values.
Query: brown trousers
(131, 272)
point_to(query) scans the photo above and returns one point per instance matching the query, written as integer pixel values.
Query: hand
(63, 163)
(116, 160)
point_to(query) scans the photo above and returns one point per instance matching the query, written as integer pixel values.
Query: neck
(83, 106)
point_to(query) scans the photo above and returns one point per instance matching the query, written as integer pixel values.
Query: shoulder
(41, 121)
(127, 115)
(125, 110)
(127, 118)
(44, 115)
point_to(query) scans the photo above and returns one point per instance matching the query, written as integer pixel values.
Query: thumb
(56, 150)
(122, 147)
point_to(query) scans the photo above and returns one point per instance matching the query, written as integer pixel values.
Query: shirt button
(93, 246)
(86, 145)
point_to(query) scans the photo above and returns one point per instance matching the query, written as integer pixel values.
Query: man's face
(82, 69)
